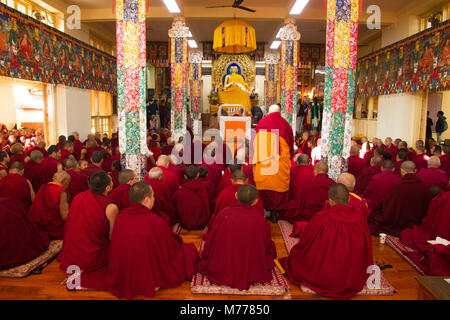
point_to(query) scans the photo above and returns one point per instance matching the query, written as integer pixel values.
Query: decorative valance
(419, 62)
(234, 36)
(31, 50)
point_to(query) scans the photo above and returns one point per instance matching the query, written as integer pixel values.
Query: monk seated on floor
(96, 165)
(203, 177)
(50, 208)
(163, 206)
(432, 175)
(300, 172)
(192, 201)
(367, 174)
(36, 172)
(120, 195)
(170, 179)
(78, 182)
(20, 239)
(406, 204)
(312, 195)
(145, 253)
(334, 250)
(16, 187)
(89, 226)
(239, 250)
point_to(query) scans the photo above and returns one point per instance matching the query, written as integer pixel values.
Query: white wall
(399, 116)
(73, 111)
(7, 106)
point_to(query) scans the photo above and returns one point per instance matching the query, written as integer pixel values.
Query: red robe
(64, 155)
(239, 249)
(420, 162)
(163, 205)
(107, 163)
(79, 182)
(45, 210)
(51, 164)
(91, 170)
(170, 179)
(368, 156)
(214, 173)
(405, 205)
(90, 151)
(77, 146)
(227, 198)
(16, 187)
(435, 224)
(121, 196)
(178, 171)
(226, 180)
(38, 174)
(433, 177)
(42, 150)
(439, 262)
(364, 178)
(445, 164)
(398, 165)
(379, 188)
(144, 254)
(357, 204)
(18, 158)
(312, 197)
(393, 150)
(211, 190)
(20, 239)
(115, 178)
(299, 174)
(86, 236)
(355, 165)
(333, 254)
(192, 205)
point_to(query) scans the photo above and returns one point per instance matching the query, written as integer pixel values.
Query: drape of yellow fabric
(272, 171)
(239, 37)
(236, 78)
(234, 97)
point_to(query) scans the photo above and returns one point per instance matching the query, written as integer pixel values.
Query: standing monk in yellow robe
(273, 148)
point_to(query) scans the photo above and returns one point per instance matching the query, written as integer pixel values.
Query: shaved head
(155, 173)
(376, 161)
(339, 194)
(91, 143)
(16, 166)
(354, 150)
(348, 180)
(36, 156)
(303, 160)
(274, 108)
(42, 145)
(434, 162)
(191, 172)
(62, 178)
(239, 176)
(139, 191)
(70, 163)
(388, 165)
(320, 167)
(202, 172)
(247, 194)
(127, 175)
(408, 167)
(163, 161)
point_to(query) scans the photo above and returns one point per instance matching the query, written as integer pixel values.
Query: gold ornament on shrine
(234, 36)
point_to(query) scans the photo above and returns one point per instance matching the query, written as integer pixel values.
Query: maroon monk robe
(393, 150)
(42, 150)
(170, 179)
(248, 169)
(18, 158)
(299, 174)
(178, 171)
(379, 188)
(439, 261)
(227, 198)
(433, 177)
(38, 174)
(16, 187)
(357, 204)
(214, 172)
(144, 254)
(239, 249)
(313, 195)
(20, 239)
(211, 190)
(79, 182)
(45, 210)
(51, 164)
(420, 161)
(121, 196)
(64, 155)
(435, 224)
(333, 254)
(91, 170)
(90, 151)
(77, 146)
(115, 178)
(106, 164)
(368, 156)
(163, 205)
(445, 164)
(86, 236)
(225, 181)
(192, 205)
(398, 165)
(405, 205)
(364, 178)
(356, 165)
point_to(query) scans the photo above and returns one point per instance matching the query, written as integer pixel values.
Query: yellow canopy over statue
(234, 36)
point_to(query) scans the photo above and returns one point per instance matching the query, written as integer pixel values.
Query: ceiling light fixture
(172, 6)
(275, 45)
(192, 44)
(298, 7)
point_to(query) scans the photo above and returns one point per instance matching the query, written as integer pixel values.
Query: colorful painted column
(271, 60)
(179, 65)
(195, 60)
(131, 83)
(288, 70)
(341, 56)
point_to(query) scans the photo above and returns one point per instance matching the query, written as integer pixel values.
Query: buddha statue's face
(234, 70)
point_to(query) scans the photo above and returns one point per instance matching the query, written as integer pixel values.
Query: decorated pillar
(270, 89)
(195, 60)
(178, 35)
(341, 56)
(131, 83)
(288, 70)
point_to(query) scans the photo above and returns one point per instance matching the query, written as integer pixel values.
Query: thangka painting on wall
(419, 62)
(31, 50)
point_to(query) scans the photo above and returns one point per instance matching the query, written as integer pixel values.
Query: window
(101, 112)
(433, 17)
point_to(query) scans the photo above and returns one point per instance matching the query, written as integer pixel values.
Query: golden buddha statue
(235, 95)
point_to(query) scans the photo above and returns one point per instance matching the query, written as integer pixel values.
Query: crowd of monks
(119, 231)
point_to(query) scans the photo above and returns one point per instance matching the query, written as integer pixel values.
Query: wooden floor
(48, 284)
